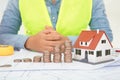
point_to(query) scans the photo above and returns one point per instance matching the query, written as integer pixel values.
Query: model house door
(86, 55)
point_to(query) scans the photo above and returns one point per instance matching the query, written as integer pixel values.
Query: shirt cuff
(21, 43)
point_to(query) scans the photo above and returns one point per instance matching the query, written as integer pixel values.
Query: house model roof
(86, 36)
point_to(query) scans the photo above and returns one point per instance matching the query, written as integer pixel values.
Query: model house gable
(104, 43)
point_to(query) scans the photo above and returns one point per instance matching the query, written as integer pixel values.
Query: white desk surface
(109, 71)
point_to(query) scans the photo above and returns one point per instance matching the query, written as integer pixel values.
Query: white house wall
(79, 57)
(83, 53)
(92, 58)
(95, 59)
(104, 46)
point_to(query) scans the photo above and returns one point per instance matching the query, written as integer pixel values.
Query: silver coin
(17, 60)
(27, 60)
(6, 65)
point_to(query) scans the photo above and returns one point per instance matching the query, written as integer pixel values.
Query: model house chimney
(98, 31)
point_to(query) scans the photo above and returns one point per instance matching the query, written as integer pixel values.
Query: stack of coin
(68, 45)
(68, 52)
(27, 60)
(46, 57)
(6, 65)
(57, 55)
(37, 59)
(17, 60)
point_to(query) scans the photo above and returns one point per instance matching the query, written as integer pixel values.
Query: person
(50, 22)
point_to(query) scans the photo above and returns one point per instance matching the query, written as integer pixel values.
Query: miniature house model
(93, 47)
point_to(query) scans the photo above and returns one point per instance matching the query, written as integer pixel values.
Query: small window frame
(98, 53)
(78, 52)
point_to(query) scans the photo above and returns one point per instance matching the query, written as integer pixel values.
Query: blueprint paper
(43, 66)
(18, 72)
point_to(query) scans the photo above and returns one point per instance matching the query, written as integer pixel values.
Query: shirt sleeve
(10, 26)
(99, 19)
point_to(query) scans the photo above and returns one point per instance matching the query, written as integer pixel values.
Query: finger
(52, 37)
(49, 30)
(46, 31)
(55, 43)
(50, 49)
(49, 27)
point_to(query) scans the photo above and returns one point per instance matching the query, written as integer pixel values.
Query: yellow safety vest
(74, 16)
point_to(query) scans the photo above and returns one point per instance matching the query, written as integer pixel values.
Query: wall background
(113, 13)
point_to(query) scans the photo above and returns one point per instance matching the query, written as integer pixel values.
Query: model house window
(103, 41)
(78, 52)
(107, 52)
(91, 52)
(99, 53)
(85, 43)
(81, 43)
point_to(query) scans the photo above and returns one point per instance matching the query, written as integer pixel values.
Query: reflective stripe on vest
(74, 16)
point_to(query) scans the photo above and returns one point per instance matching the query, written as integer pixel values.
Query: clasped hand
(46, 40)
